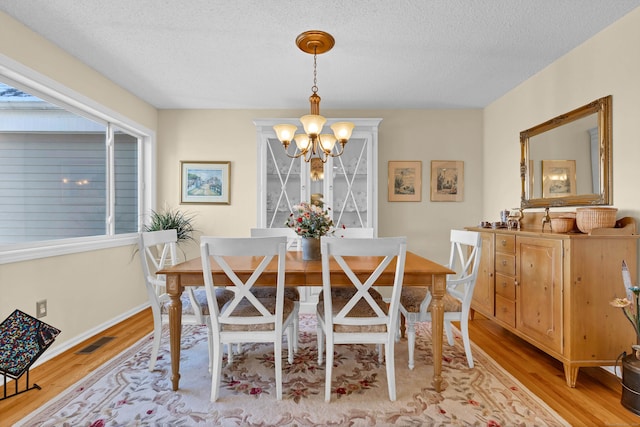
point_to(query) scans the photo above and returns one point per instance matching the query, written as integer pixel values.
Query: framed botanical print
(447, 181)
(405, 181)
(205, 182)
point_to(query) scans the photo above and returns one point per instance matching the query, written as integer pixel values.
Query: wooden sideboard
(553, 290)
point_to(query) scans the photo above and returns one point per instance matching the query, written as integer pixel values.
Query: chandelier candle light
(312, 143)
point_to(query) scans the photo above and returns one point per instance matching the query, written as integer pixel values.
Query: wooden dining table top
(418, 271)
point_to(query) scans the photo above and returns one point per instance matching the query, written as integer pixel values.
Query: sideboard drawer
(506, 286)
(506, 310)
(506, 243)
(506, 264)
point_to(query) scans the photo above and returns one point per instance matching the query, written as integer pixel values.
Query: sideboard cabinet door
(539, 291)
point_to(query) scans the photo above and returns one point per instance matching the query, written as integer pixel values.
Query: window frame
(28, 80)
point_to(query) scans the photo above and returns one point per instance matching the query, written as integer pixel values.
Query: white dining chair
(294, 243)
(247, 318)
(157, 250)
(357, 314)
(415, 302)
(354, 232)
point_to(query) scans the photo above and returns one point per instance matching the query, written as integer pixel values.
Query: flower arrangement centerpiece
(630, 305)
(310, 222)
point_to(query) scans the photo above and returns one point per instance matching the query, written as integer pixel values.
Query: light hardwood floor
(594, 402)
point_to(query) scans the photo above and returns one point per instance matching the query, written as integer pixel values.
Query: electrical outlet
(41, 308)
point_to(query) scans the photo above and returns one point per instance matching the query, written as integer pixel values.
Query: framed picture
(204, 182)
(405, 181)
(447, 181)
(558, 178)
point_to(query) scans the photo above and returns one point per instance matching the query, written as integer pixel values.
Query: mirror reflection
(566, 160)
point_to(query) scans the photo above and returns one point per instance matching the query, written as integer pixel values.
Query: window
(65, 175)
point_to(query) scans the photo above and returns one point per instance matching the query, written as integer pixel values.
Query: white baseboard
(50, 354)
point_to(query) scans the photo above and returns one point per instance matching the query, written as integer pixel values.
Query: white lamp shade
(285, 132)
(303, 142)
(312, 123)
(327, 141)
(342, 130)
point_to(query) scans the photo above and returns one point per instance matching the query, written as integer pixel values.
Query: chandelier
(312, 143)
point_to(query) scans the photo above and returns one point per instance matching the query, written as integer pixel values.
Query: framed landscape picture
(447, 181)
(558, 178)
(204, 182)
(405, 181)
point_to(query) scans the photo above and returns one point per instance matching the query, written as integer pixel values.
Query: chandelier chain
(314, 88)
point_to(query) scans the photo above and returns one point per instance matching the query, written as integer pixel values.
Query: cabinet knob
(515, 282)
(504, 262)
(503, 243)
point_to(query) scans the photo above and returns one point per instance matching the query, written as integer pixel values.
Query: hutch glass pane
(283, 184)
(350, 183)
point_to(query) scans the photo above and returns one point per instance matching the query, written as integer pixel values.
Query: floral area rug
(124, 393)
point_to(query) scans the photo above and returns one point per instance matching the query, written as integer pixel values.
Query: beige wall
(607, 64)
(425, 135)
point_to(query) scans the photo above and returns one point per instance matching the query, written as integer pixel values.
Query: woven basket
(562, 224)
(589, 218)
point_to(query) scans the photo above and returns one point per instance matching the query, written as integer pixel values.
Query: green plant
(168, 219)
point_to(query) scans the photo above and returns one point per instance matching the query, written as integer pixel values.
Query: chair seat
(412, 296)
(268, 291)
(200, 295)
(341, 297)
(246, 309)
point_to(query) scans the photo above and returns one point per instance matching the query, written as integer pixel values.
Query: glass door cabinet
(347, 186)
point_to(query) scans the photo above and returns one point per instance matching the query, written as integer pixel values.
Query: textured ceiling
(388, 54)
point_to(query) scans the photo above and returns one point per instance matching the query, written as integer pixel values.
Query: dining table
(418, 271)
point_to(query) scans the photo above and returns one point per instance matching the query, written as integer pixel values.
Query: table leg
(175, 327)
(437, 324)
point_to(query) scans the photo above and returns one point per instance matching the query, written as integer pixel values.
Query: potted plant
(169, 219)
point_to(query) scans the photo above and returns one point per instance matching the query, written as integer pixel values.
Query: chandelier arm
(295, 156)
(342, 144)
(308, 158)
(321, 157)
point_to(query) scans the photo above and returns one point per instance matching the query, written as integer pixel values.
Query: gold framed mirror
(566, 161)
